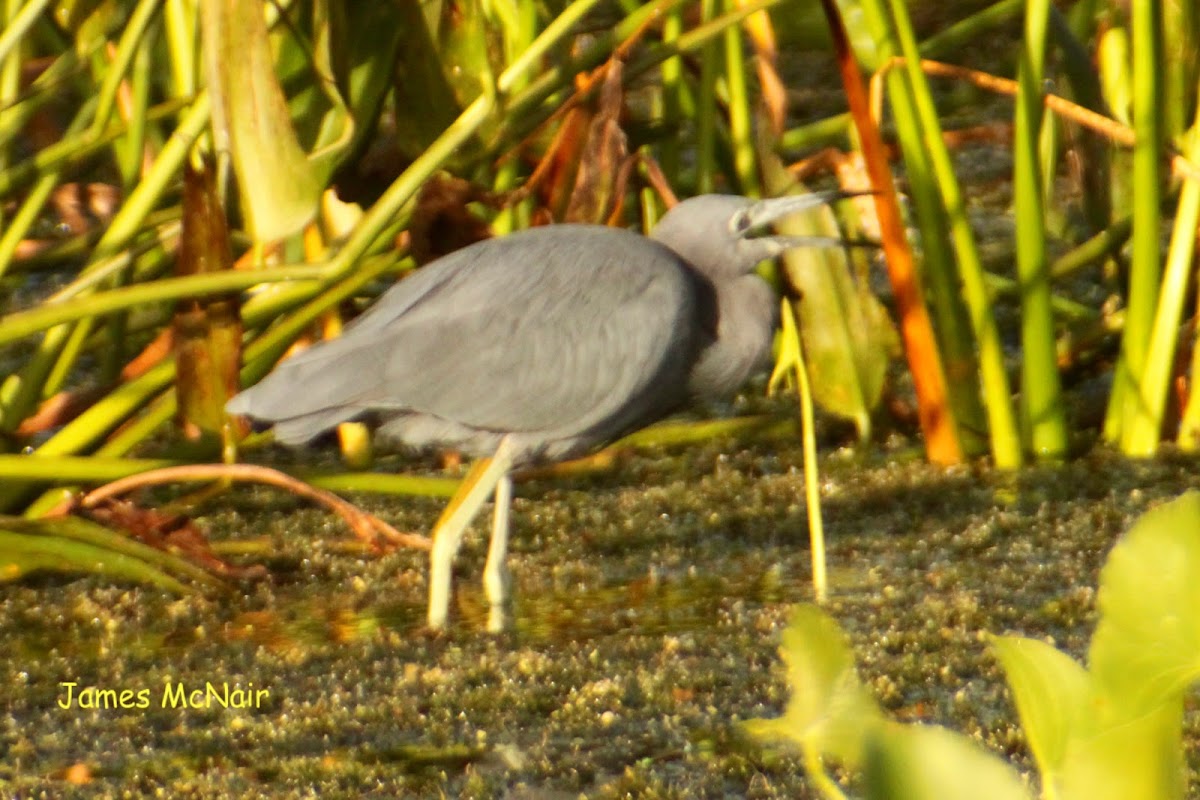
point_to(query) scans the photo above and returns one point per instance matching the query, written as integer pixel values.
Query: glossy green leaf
(919, 762)
(1138, 759)
(1051, 692)
(830, 712)
(1146, 648)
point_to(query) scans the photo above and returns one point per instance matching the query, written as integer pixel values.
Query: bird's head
(724, 236)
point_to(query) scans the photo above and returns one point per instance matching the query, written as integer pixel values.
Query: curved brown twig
(366, 526)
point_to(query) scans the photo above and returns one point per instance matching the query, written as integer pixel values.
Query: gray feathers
(563, 337)
(568, 335)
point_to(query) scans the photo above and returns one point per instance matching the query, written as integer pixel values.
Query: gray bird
(540, 346)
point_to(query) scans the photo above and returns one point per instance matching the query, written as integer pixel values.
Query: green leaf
(868, 38)
(1113, 55)
(278, 185)
(915, 762)
(1137, 759)
(848, 336)
(830, 712)
(436, 72)
(337, 83)
(1146, 649)
(1051, 691)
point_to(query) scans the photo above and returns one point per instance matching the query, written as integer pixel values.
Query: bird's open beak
(760, 215)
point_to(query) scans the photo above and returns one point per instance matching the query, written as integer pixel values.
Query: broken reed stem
(1107, 127)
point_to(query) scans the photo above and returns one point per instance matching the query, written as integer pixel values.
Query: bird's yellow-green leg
(483, 478)
(496, 579)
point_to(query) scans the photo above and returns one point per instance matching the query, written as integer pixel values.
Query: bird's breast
(745, 324)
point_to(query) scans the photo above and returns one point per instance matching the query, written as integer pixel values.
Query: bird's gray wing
(550, 330)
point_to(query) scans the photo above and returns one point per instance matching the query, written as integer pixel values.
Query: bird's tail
(289, 430)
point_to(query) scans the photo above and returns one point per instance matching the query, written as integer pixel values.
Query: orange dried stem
(366, 526)
(924, 360)
(1107, 127)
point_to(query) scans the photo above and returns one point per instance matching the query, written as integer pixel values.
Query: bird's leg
(496, 579)
(485, 474)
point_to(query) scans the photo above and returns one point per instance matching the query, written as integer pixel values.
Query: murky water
(649, 603)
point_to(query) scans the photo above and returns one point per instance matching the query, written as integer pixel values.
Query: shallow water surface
(649, 603)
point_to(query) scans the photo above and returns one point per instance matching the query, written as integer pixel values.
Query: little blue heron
(541, 346)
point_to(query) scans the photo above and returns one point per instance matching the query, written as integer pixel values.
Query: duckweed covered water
(649, 604)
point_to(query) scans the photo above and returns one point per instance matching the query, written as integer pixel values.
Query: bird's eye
(741, 222)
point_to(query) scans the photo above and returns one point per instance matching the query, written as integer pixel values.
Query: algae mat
(649, 602)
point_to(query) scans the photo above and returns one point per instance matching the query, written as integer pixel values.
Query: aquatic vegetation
(1111, 729)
